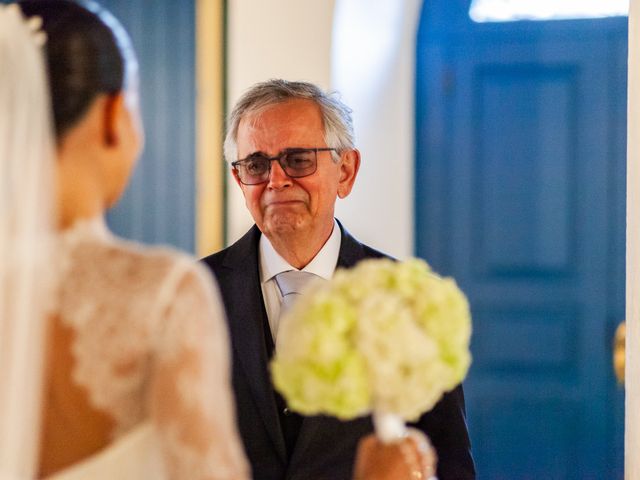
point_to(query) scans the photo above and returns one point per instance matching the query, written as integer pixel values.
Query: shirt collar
(323, 264)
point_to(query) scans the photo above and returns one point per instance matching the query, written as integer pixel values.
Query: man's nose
(278, 178)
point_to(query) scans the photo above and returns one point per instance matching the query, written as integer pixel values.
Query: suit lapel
(351, 252)
(247, 320)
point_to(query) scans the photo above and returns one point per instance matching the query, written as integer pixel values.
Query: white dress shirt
(271, 264)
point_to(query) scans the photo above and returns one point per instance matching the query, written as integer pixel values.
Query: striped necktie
(291, 283)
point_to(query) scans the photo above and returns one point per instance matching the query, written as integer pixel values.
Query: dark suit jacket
(325, 447)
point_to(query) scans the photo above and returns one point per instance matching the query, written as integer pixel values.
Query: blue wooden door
(520, 196)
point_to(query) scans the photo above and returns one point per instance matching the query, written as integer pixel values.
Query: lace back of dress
(26, 185)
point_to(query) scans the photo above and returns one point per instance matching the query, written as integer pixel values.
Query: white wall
(288, 39)
(632, 374)
(363, 49)
(373, 67)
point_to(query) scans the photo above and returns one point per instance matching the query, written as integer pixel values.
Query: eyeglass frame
(279, 157)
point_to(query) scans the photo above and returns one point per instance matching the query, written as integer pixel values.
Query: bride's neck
(77, 205)
(80, 186)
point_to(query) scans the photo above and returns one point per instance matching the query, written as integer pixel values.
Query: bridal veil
(26, 226)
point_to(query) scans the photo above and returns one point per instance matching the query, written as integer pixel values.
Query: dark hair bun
(83, 55)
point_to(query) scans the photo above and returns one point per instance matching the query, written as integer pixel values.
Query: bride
(114, 357)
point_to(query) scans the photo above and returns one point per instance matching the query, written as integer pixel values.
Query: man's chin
(284, 224)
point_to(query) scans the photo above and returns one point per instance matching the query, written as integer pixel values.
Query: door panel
(517, 192)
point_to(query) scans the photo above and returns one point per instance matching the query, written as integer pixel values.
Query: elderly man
(292, 152)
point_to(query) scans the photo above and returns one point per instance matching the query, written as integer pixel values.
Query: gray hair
(336, 116)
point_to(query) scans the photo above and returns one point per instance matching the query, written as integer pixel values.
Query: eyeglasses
(296, 163)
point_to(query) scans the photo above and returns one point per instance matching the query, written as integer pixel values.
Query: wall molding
(209, 125)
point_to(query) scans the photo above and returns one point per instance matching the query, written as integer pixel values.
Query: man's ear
(234, 172)
(349, 166)
(114, 118)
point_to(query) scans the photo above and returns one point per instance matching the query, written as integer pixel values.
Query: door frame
(632, 374)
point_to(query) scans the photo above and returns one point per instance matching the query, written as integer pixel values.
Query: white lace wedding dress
(150, 351)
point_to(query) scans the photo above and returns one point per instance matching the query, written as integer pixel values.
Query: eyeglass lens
(295, 163)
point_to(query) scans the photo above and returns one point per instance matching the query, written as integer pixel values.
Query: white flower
(385, 336)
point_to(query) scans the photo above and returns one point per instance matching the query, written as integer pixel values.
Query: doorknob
(619, 352)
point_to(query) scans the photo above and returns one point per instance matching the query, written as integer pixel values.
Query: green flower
(385, 335)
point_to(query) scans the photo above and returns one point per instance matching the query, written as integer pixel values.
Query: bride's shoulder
(90, 245)
(92, 258)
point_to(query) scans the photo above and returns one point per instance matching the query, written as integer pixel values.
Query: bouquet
(386, 338)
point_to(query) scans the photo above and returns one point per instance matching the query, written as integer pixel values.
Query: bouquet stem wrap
(389, 427)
